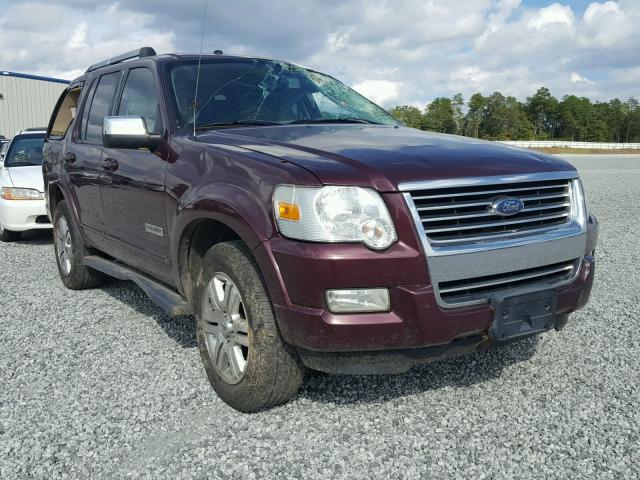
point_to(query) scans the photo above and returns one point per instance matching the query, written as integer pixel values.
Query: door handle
(109, 164)
(70, 157)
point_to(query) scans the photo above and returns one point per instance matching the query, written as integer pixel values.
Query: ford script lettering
(507, 206)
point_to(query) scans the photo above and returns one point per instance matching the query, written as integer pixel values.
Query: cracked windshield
(265, 92)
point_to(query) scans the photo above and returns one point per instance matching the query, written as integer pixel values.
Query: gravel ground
(101, 384)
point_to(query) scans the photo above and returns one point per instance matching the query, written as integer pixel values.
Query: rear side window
(65, 113)
(99, 108)
(139, 97)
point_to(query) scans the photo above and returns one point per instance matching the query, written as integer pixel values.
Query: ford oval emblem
(507, 206)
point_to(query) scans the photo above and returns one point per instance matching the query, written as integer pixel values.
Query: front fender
(238, 209)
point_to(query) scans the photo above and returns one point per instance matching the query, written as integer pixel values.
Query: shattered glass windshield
(234, 92)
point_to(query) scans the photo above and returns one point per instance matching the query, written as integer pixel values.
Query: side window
(65, 113)
(85, 110)
(140, 97)
(99, 107)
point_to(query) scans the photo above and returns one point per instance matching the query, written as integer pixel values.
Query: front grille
(462, 214)
(482, 288)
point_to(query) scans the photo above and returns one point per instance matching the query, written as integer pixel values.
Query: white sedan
(22, 205)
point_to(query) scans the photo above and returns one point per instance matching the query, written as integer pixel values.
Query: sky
(396, 52)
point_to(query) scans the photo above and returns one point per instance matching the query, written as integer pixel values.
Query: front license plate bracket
(522, 314)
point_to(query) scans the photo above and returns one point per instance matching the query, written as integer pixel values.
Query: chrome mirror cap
(129, 125)
(128, 132)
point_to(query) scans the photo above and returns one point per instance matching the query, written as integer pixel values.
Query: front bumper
(416, 329)
(416, 320)
(21, 215)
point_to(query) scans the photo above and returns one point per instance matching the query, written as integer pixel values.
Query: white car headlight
(9, 193)
(334, 214)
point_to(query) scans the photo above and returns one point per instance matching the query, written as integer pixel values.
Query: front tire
(70, 251)
(248, 364)
(8, 235)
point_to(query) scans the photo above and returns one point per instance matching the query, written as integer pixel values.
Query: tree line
(541, 117)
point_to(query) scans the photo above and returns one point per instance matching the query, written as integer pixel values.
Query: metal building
(26, 101)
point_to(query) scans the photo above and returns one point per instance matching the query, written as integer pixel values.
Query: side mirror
(128, 132)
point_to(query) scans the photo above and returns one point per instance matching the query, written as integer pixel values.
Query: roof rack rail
(141, 53)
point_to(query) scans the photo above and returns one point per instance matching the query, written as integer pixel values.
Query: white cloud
(382, 92)
(79, 36)
(577, 78)
(553, 14)
(596, 10)
(63, 42)
(394, 51)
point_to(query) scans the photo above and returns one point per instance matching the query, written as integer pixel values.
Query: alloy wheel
(63, 245)
(226, 328)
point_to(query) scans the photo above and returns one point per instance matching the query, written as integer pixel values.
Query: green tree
(576, 114)
(499, 117)
(439, 116)
(632, 112)
(477, 110)
(457, 102)
(542, 110)
(410, 116)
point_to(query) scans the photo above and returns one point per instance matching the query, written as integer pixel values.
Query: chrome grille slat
(460, 291)
(515, 278)
(489, 214)
(444, 206)
(476, 226)
(461, 214)
(496, 236)
(503, 190)
(544, 197)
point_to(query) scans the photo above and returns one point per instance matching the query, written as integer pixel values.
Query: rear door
(55, 142)
(133, 181)
(83, 157)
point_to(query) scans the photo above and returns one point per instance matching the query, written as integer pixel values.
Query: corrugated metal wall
(26, 103)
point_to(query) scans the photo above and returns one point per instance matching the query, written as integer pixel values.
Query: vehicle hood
(384, 157)
(27, 177)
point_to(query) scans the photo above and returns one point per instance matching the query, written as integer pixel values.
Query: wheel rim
(63, 245)
(226, 328)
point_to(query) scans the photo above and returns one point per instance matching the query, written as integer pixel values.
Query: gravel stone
(101, 384)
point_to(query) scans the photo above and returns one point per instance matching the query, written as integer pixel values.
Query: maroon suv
(301, 224)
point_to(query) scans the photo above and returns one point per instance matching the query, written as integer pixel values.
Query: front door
(133, 183)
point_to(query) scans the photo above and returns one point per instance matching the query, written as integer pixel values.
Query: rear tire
(8, 235)
(70, 250)
(247, 362)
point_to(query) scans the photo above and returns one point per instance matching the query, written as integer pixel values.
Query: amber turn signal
(289, 211)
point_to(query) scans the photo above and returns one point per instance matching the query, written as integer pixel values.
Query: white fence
(568, 144)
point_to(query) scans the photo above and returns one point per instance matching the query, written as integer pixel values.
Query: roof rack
(141, 53)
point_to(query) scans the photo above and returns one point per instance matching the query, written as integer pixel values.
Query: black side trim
(170, 301)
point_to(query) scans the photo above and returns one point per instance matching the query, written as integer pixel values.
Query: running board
(170, 301)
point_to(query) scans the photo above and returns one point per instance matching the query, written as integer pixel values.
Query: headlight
(333, 214)
(9, 193)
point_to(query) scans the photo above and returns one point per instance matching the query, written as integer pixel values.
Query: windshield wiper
(334, 120)
(237, 123)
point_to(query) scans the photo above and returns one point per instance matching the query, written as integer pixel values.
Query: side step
(170, 301)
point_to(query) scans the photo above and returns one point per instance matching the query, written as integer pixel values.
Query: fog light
(358, 300)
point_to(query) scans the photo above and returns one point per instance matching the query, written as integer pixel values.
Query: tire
(70, 251)
(8, 235)
(272, 370)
